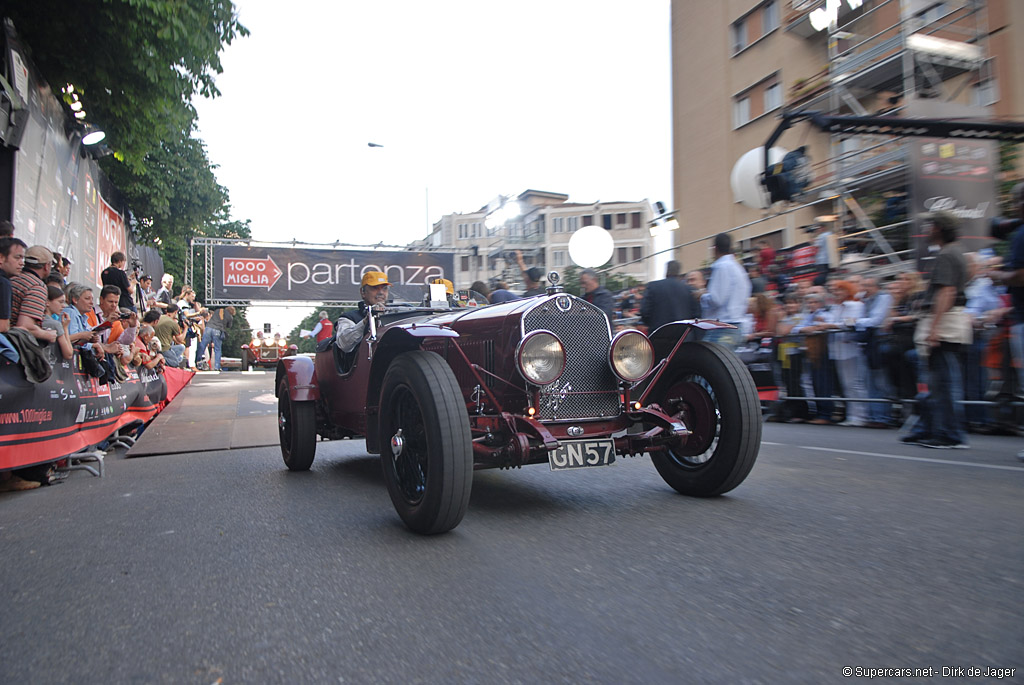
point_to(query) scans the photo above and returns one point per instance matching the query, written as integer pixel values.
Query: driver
(353, 324)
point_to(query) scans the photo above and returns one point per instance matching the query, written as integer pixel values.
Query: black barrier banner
(956, 176)
(42, 422)
(244, 272)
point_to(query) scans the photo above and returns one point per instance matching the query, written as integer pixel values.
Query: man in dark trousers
(115, 275)
(596, 294)
(669, 299)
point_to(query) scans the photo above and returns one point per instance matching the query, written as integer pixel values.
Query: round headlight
(631, 355)
(268, 343)
(254, 343)
(541, 357)
(282, 342)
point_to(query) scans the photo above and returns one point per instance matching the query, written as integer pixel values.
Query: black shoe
(934, 443)
(911, 439)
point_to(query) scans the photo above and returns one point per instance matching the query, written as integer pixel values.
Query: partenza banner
(242, 272)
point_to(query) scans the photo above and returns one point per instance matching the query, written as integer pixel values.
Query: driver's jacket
(350, 329)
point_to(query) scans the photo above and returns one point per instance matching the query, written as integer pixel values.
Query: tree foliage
(137, 64)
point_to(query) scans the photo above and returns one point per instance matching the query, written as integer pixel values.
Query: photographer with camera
(115, 275)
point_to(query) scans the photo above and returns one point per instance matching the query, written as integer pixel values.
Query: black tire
(713, 393)
(296, 428)
(426, 447)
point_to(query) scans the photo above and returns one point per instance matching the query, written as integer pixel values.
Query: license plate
(575, 454)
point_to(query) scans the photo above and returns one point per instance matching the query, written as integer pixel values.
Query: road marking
(899, 456)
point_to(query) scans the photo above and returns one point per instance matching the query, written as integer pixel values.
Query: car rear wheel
(426, 447)
(712, 392)
(296, 427)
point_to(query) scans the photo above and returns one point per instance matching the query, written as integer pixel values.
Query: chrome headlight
(254, 343)
(541, 357)
(631, 356)
(268, 343)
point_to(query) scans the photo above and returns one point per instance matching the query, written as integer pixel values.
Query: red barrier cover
(44, 422)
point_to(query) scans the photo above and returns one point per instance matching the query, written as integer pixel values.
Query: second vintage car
(265, 351)
(542, 380)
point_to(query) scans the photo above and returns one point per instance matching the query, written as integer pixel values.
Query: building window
(769, 16)
(623, 253)
(986, 93)
(465, 263)
(638, 253)
(740, 111)
(634, 220)
(772, 97)
(559, 257)
(557, 224)
(588, 220)
(572, 224)
(739, 35)
(462, 231)
(606, 221)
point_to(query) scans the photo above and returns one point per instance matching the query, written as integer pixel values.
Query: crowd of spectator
(45, 318)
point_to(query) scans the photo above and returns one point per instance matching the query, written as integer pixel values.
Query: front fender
(301, 374)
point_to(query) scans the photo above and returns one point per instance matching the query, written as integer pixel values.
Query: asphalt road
(842, 549)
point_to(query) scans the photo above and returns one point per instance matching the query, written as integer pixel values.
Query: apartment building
(737, 64)
(541, 229)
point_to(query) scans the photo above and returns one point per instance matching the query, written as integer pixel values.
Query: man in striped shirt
(28, 294)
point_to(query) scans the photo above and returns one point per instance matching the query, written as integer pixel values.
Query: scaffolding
(895, 58)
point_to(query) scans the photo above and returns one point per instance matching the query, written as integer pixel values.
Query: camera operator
(115, 275)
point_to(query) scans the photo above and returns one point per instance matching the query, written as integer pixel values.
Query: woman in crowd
(844, 350)
(791, 357)
(766, 317)
(56, 319)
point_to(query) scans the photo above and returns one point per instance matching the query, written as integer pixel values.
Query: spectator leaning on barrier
(12, 260)
(669, 299)
(57, 320)
(28, 293)
(169, 333)
(80, 304)
(844, 349)
(727, 293)
(144, 355)
(940, 337)
(818, 319)
(116, 275)
(877, 305)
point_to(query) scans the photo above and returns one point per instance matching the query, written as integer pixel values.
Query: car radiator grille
(268, 353)
(587, 388)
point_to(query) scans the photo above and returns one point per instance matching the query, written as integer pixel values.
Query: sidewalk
(217, 411)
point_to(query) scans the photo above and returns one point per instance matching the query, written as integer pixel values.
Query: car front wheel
(712, 392)
(296, 427)
(426, 448)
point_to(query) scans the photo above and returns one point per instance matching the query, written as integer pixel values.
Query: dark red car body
(513, 422)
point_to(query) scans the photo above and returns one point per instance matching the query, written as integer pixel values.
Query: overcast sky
(470, 99)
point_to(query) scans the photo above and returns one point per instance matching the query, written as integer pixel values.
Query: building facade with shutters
(541, 233)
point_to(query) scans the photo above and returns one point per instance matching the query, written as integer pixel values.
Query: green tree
(137, 64)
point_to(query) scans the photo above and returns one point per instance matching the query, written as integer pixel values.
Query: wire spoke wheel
(711, 391)
(426, 448)
(296, 429)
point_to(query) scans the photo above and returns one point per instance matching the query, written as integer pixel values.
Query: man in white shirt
(877, 304)
(727, 295)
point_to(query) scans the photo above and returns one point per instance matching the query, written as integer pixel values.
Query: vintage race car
(263, 351)
(542, 380)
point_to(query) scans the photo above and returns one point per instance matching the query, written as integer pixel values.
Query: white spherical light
(746, 176)
(591, 246)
